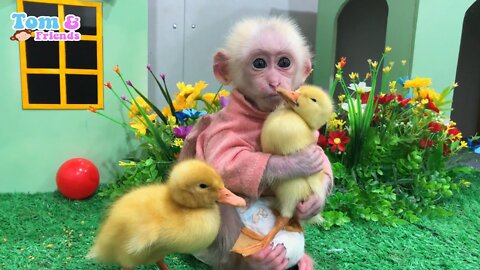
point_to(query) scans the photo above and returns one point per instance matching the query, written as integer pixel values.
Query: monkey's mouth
(291, 97)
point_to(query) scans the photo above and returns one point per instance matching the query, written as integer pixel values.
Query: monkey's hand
(303, 163)
(305, 263)
(269, 259)
(311, 207)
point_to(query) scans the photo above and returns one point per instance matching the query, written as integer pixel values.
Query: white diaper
(260, 218)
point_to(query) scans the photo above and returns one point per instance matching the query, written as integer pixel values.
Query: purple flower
(162, 76)
(129, 83)
(223, 101)
(182, 131)
(149, 67)
(124, 98)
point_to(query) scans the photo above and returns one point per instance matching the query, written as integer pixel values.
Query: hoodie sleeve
(240, 165)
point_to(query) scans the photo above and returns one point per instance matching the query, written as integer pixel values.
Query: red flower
(364, 97)
(446, 150)
(343, 61)
(338, 139)
(109, 85)
(431, 106)
(425, 143)
(435, 127)
(403, 102)
(385, 98)
(322, 141)
(453, 132)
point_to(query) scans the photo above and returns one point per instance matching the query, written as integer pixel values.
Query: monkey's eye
(284, 62)
(203, 186)
(314, 100)
(259, 63)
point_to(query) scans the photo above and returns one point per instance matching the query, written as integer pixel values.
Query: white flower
(344, 106)
(360, 87)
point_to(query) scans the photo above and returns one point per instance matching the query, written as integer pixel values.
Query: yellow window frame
(62, 70)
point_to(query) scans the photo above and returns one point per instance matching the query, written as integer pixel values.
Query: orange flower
(92, 109)
(116, 69)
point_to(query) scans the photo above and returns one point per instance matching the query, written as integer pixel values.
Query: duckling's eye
(203, 186)
(284, 62)
(314, 100)
(259, 63)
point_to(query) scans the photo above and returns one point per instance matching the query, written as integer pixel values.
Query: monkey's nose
(274, 85)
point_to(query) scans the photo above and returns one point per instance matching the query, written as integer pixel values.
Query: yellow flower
(387, 69)
(425, 101)
(179, 104)
(353, 75)
(458, 136)
(463, 144)
(139, 126)
(426, 93)
(418, 83)
(465, 183)
(387, 49)
(209, 96)
(341, 98)
(188, 93)
(178, 142)
(338, 76)
(392, 84)
(404, 62)
(134, 109)
(455, 85)
(374, 64)
(122, 163)
(369, 61)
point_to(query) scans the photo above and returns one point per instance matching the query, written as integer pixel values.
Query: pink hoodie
(230, 141)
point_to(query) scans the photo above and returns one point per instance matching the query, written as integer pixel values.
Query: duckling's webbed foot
(249, 242)
(294, 226)
(161, 263)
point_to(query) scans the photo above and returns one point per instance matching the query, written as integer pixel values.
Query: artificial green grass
(47, 231)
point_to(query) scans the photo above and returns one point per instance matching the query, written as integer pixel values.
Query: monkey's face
(269, 64)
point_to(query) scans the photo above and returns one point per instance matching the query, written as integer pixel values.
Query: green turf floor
(47, 231)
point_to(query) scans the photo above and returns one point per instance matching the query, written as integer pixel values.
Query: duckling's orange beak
(225, 196)
(290, 97)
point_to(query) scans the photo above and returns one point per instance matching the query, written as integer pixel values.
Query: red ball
(77, 178)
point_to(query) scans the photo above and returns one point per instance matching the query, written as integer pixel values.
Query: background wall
(34, 143)
(437, 40)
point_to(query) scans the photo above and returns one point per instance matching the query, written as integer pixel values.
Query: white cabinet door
(204, 27)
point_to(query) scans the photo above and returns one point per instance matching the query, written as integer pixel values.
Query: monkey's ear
(220, 67)
(307, 68)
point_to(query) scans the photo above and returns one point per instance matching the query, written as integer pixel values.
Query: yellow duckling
(286, 130)
(150, 222)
